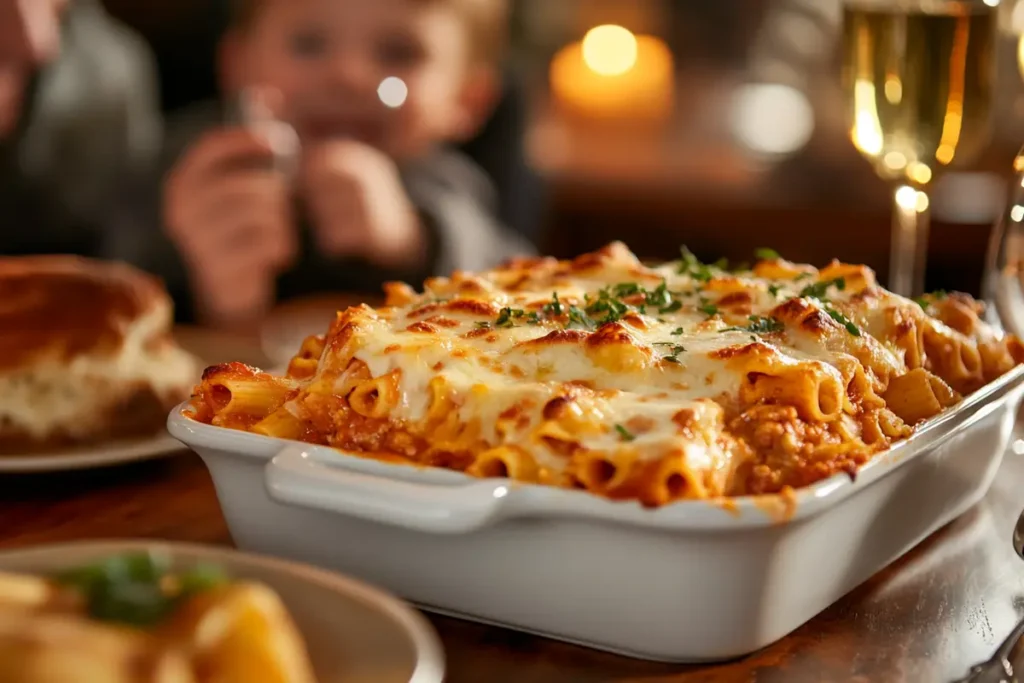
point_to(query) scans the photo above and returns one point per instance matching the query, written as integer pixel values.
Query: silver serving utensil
(999, 667)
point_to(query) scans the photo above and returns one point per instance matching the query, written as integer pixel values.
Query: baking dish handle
(296, 476)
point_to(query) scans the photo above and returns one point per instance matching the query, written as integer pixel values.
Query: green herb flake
(843, 320)
(759, 325)
(675, 350)
(660, 297)
(676, 332)
(553, 307)
(803, 276)
(928, 298)
(578, 317)
(483, 324)
(627, 289)
(709, 309)
(624, 433)
(691, 265)
(774, 290)
(507, 317)
(819, 289)
(200, 579)
(766, 254)
(671, 308)
(130, 589)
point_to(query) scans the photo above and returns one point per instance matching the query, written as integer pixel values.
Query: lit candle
(614, 74)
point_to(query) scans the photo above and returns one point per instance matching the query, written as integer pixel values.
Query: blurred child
(78, 114)
(323, 186)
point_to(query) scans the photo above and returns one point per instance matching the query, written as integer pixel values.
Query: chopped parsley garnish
(610, 306)
(671, 308)
(676, 332)
(553, 307)
(766, 254)
(691, 265)
(819, 289)
(843, 320)
(624, 433)
(709, 309)
(759, 324)
(483, 324)
(137, 589)
(774, 290)
(627, 289)
(607, 303)
(578, 317)
(923, 301)
(606, 306)
(508, 316)
(660, 297)
(676, 349)
(505, 318)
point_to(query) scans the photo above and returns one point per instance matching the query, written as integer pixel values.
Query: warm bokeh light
(603, 77)
(1020, 52)
(772, 118)
(610, 50)
(393, 92)
(911, 200)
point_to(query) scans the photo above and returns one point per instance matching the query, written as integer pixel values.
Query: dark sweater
(90, 119)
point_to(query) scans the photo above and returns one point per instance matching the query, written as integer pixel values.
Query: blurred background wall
(735, 137)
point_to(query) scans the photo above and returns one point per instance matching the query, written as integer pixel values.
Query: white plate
(209, 346)
(96, 455)
(354, 633)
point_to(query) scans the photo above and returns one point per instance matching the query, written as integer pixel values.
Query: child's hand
(229, 214)
(358, 205)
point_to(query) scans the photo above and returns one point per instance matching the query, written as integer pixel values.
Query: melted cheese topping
(681, 380)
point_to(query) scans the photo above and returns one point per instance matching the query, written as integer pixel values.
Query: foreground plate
(354, 633)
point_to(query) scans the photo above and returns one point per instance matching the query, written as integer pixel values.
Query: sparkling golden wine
(919, 82)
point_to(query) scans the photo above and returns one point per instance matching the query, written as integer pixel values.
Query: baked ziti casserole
(655, 384)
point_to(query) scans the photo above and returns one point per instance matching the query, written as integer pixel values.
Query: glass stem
(909, 252)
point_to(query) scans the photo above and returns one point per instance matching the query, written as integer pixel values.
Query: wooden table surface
(928, 617)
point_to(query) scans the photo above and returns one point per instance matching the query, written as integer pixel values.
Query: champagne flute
(918, 77)
(1003, 287)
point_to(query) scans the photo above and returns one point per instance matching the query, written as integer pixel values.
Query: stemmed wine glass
(918, 77)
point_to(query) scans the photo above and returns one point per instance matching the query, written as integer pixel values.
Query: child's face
(327, 58)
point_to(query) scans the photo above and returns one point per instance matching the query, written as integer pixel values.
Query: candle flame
(609, 50)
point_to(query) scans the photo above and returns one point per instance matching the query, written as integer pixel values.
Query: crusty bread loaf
(86, 353)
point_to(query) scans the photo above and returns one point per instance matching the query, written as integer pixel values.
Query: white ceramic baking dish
(691, 581)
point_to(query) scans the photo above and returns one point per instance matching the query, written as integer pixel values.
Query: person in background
(78, 113)
(319, 186)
